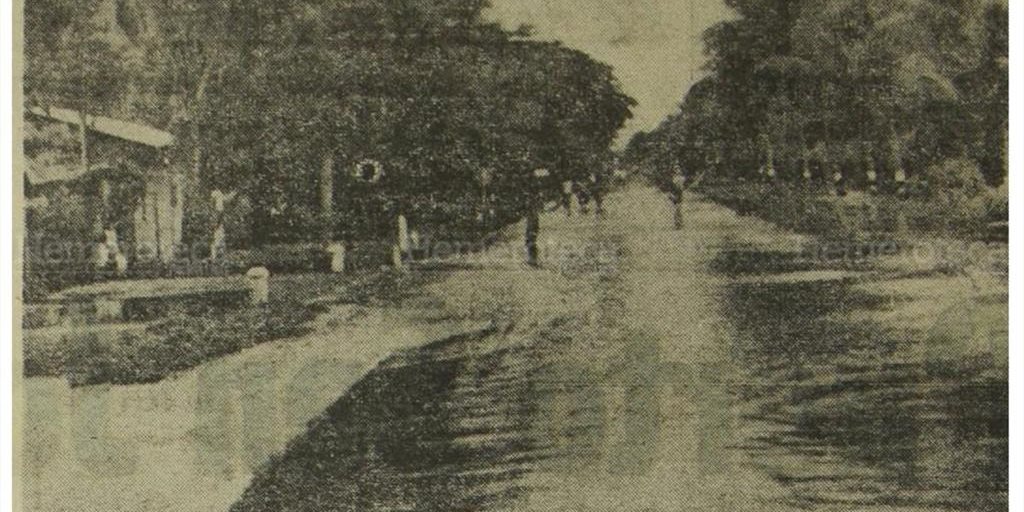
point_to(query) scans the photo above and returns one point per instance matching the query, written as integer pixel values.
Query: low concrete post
(120, 264)
(403, 233)
(258, 281)
(218, 245)
(401, 245)
(414, 243)
(336, 251)
(108, 309)
(396, 258)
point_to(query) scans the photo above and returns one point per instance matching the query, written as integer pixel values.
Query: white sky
(654, 46)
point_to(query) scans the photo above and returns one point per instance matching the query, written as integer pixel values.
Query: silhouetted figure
(900, 183)
(582, 196)
(839, 181)
(675, 195)
(597, 191)
(532, 229)
(566, 198)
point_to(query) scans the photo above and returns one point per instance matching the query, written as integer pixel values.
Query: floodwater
(641, 368)
(635, 371)
(192, 441)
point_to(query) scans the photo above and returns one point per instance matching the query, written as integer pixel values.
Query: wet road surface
(633, 373)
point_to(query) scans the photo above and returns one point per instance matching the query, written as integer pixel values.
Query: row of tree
(866, 90)
(281, 100)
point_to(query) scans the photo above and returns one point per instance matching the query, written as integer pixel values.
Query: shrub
(956, 177)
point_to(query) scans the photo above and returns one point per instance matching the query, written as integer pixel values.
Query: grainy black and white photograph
(525, 255)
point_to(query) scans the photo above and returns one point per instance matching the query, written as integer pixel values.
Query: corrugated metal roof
(134, 132)
(39, 174)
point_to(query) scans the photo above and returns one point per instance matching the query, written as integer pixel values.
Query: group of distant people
(839, 181)
(579, 195)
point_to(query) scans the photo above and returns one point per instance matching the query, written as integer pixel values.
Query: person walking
(566, 198)
(675, 194)
(597, 192)
(582, 197)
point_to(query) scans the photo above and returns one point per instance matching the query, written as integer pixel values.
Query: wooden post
(218, 239)
(335, 250)
(103, 206)
(327, 195)
(485, 204)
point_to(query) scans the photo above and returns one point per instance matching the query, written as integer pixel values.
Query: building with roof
(121, 171)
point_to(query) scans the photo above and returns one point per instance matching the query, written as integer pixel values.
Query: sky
(654, 46)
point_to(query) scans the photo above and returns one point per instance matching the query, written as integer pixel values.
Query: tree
(853, 85)
(280, 100)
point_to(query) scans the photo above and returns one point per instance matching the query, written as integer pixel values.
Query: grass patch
(196, 332)
(178, 342)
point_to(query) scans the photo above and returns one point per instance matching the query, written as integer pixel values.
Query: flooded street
(635, 371)
(641, 368)
(192, 442)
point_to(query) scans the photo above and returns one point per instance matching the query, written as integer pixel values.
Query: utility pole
(335, 249)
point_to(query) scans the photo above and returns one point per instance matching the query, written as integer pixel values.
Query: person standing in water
(566, 198)
(675, 194)
(597, 192)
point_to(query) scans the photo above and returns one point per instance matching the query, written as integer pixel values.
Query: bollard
(401, 245)
(403, 234)
(396, 258)
(218, 243)
(108, 309)
(101, 256)
(258, 281)
(414, 243)
(120, 264)
(336, 251)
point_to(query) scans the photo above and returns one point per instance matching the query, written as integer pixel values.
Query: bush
(956, 177)
(998, 204)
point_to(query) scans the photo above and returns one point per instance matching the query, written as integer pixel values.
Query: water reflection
(848, 414)
(455, 426)
(432, 429)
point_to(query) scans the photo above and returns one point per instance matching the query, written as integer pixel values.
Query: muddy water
(191, 442)
(595, 394)
(852, 417)
(642, 376)
(655, 381)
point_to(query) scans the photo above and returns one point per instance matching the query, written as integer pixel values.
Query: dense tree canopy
(263, 95)
(847, 85)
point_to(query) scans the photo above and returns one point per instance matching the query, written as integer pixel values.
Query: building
(122, 171)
